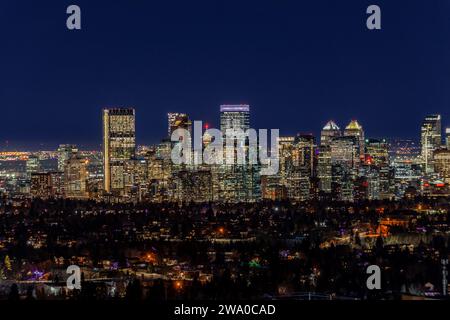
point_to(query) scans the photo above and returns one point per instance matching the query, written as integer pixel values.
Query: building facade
(119, 146)
(431, 140)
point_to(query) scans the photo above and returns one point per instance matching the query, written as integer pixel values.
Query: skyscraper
(324, 169)
(431, 139)
(234, 117)
(305, 166)
(33, 165)
(447, 138)
(324, 166)
(76, 178)
(375, 172)
(41, 185)
(178, 121)
(65, 152)
(329, 131)
(442, 164)
(354, 129)
(344, 161)
(377, 152)
(289, 156)
(237, 181)
(119, 145)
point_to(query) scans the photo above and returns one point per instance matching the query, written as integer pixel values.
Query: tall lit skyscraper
(324, 169)
(305, 145)
(354, 129)
(330, 131)
(344, 161)
(236, 116)
(290, 157)
(119, 145)
(238, 182)
(431, 139)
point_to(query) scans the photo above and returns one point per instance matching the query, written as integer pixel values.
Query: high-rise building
(272, 189)
(45, 185)
(288, 173)
(33, 165)
(345, 150)
(193, 186)
(41, 185)
(330, 131)
(431, 140)
(404, 151)
(234, 117)
(407, 174)
(178, 121)
(119, 145)
(377, 152)
(375, 174)
(367, 184)
(447, 138)
(65, 152)
(296, 160)
(237, 181)
(304, 158)
(207, 139)
(159, 175)
(135, 179)
(344, 161)
(354, 129)
(76, 178)
(324, 169)
(442, 164)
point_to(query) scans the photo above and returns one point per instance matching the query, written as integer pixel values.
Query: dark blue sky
(297, 63)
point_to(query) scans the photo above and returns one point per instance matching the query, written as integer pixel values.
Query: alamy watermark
(233, 147)
(74, 279)
(374, 280)
(73, 21)
(374, 20)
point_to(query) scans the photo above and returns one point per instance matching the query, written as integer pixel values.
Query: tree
(134, 290)
(30, 296)
(14, 293)
(379, 243)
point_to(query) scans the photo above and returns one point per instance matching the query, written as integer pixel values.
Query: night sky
(297, 63)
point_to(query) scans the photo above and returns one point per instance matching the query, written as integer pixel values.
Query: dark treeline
(286, 253)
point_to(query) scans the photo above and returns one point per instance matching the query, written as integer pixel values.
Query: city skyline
(7, 145)
(345, 163)
(213, 158)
